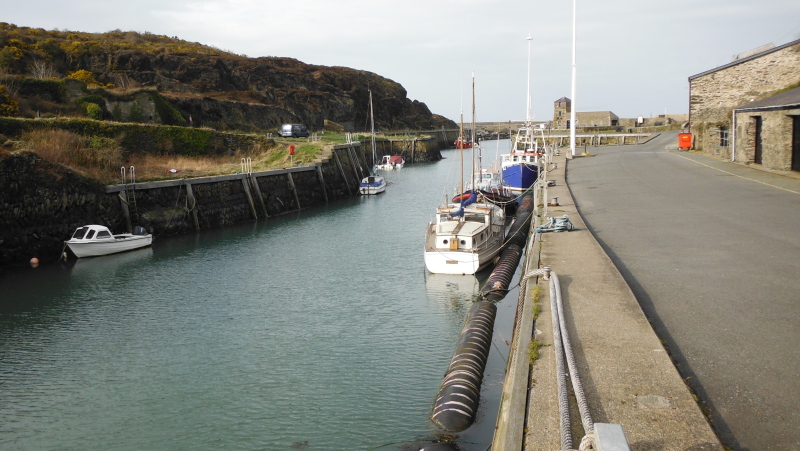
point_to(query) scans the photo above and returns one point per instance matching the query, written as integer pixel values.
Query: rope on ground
(562, 224)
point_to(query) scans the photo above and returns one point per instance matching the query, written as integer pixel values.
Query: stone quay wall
(41, 204)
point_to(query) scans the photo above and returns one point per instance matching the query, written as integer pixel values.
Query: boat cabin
(92, 232)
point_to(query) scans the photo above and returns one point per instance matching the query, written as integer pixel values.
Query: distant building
(561, 116)
(745, 110)
(561, 111)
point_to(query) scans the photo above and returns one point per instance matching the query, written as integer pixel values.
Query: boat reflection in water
(110, 266)
(448, 288)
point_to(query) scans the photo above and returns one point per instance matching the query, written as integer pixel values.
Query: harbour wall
(41, 204)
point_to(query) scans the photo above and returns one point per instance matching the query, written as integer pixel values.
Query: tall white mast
(472, 135)
(572, 121)
(528, 114)
(372, 130)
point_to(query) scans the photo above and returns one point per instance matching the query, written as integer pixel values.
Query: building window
(723, 137)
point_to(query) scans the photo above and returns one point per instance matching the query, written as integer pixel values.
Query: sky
(634, 57)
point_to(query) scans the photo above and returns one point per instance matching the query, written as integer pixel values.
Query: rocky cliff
(215, 88)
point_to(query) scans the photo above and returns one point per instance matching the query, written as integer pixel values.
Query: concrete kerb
(628, 377)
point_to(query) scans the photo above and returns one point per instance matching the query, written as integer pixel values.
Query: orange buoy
(34, 262)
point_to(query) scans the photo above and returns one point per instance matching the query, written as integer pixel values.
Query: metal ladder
(129, 190)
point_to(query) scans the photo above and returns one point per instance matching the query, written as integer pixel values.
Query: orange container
(684, 141)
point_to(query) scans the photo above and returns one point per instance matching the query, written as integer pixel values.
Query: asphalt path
(711, 250)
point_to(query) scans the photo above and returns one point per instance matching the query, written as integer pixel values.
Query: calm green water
(318, 331)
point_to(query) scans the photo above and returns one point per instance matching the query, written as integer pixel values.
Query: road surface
(712, 252)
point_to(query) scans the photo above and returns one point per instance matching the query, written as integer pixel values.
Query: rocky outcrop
(216, 88)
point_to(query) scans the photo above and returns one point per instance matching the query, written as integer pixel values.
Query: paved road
(712, 252)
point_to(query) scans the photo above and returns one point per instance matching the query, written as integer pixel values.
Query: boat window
(463, 242)
(90, 235)
(103, 234)
(474, 218)
(80, 232)
(444, 241)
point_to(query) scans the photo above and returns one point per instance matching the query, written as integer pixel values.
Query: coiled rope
(564, 354)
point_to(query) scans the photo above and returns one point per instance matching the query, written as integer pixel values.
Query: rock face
(217, 89)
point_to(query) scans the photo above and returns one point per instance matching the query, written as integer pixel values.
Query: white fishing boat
(373, 183)
(389, 162)
(467, 233)
(96, 240)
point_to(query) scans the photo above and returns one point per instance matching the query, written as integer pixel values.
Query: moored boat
(391, 162)
(521, 165)
(462, 143)
(465, 237)
(96, 240)
(466, 234)
(372, 184)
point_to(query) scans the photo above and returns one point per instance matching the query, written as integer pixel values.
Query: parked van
(294, 131)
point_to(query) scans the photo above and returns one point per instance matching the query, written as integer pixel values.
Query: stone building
(767, 132)
(561, 110)
(561, 116)
(719, 94)
(597, 119)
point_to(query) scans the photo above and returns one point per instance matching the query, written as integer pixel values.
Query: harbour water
(318, 330)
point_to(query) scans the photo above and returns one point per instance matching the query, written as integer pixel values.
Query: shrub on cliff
(8, 106)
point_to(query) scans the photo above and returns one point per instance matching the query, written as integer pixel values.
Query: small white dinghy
(95, 240)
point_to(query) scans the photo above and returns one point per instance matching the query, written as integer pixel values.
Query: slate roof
(752, 57)
(784, 99)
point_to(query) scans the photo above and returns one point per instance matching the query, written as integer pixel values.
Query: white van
(294, 131)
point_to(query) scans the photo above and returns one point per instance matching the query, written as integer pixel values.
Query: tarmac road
(711, 250)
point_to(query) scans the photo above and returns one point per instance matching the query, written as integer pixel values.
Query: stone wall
(714, 94)
(776, 138)
(41, 204)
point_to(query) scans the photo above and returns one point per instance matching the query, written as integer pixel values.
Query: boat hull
(371, 190)
(373, 184)
(98, 248)
(455, 262)
(520, 177)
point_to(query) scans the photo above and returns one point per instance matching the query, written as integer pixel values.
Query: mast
(528, 117)
(572, 113)
(372, 130)
(461, 153)
(472, 137)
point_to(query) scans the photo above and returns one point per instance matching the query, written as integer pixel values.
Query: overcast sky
(634, 56)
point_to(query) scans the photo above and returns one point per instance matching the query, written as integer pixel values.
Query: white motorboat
(390, 162)
(468, 232)
(465, 237)
(372, 184)
(95, 240)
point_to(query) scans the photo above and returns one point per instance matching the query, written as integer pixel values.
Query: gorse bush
(8, 106)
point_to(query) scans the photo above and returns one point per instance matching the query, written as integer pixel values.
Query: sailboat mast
(461, 152)
(472, 136)
(372, 130)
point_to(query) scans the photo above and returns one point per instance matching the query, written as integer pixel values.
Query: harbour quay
(631, 385)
